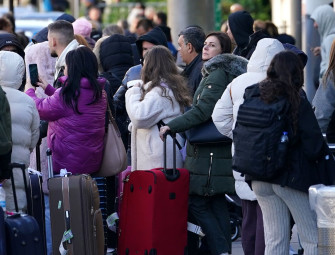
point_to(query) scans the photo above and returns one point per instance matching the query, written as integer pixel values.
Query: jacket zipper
(209, 172)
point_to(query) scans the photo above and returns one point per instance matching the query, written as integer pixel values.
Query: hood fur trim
(233, 64)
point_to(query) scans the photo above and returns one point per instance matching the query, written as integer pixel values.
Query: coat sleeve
(147, 112)
(51, 108)
(35, 127)
(309, 131)
(223, 113)
(324, 104)
(202, 110)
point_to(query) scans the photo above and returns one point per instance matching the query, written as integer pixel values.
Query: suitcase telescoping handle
(23, 168)
(50, 168)
(174, 174)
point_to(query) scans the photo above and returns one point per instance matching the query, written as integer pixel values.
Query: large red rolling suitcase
(153, 217)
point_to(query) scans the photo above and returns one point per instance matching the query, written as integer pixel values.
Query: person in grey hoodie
(224, 117)
(324, 21)
(324, 99)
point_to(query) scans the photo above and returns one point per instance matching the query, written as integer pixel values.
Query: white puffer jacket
(225, 111)
(25, 121)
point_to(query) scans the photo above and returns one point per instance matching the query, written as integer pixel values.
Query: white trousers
(277, 203)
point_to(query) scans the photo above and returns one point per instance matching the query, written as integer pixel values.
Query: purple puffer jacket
(76, 140)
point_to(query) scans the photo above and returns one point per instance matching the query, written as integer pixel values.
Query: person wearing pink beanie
(83, 27)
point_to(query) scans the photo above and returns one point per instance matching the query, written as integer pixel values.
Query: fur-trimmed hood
(230, 63)
(40, 54)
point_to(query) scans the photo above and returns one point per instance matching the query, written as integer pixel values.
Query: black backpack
(5, 135)
(257, 135)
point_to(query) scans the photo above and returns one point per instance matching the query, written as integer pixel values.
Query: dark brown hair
(159, 67)
(224, 40)
(284, 78)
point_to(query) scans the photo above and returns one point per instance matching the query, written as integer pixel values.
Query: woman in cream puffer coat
(25, 122)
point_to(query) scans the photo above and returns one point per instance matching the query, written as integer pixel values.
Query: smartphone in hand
(33, 74)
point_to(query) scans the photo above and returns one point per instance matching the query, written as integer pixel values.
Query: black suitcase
(23, 235)
(36, 206)
(2, 233)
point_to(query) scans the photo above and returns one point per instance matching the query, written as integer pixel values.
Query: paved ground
(237, 246)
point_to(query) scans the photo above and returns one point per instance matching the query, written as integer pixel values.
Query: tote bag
(114, 158)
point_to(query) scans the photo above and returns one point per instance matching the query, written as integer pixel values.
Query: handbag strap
(111, 120)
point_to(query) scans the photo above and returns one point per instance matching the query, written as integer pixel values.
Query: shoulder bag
(206, 133)
(114, 158)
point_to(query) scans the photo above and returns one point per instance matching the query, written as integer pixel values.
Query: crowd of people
(82, 68)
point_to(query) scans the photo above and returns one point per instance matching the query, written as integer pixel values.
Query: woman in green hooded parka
(210, 165)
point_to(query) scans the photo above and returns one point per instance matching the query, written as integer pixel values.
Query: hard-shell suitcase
(76, 220)
(23, 235)
(153, 216)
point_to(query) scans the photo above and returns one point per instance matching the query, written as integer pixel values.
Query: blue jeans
(48, 225)
(212, 216)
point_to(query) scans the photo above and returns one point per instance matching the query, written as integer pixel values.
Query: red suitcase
(154, 208)
(121, 177)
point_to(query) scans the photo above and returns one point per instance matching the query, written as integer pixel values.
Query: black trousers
(212, 215)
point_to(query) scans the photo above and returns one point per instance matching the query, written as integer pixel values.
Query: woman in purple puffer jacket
(76, 114)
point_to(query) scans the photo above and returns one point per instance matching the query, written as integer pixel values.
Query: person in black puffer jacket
(114, 54)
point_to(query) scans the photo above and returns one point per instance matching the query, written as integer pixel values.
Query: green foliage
(259, 9)
(117, 11)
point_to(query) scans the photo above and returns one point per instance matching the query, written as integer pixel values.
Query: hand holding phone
(33, 74)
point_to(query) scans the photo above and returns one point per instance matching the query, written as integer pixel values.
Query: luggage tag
(111, 221)
(33, 171)
(66, 237)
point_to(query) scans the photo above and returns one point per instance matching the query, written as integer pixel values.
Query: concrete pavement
(237, 245)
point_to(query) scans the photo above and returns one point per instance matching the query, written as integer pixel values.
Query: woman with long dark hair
(76, 114)
(287, 193)
(162, 97)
